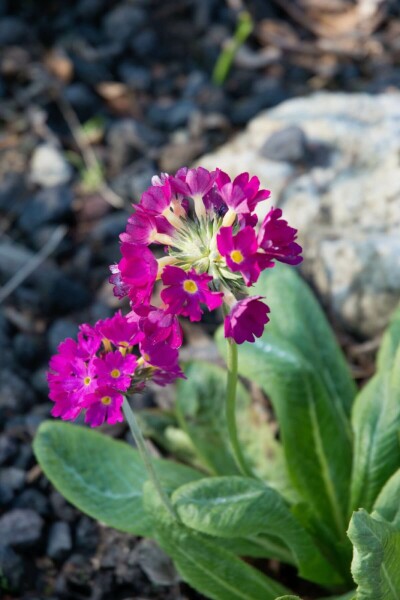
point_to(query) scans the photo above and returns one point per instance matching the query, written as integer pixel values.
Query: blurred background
(96, 96)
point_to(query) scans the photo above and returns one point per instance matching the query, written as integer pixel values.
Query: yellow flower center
(106, 400)
(87, 380)
(237, 256)
(115, 373)
(146, 357)
(190, 286)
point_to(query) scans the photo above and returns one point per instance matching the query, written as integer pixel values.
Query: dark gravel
(59, 543)
(21, 528)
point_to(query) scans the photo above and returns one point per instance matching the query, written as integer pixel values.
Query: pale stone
(344, 197)
(49, 167)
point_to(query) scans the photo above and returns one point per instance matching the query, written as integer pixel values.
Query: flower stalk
(230, 407)
(144, 453)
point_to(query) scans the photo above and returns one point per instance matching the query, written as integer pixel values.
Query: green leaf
(261, 546)
(298, 364)
(200, 412)
(390, 343)
(376, 423)
(162, 427)
(257, 547)
(238, 506)
(297, 317)
(387, 504)
(200, 408)
(348, 596)
(376, 560)
(210, 569)
(102, 477)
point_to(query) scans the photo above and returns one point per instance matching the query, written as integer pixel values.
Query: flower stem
(232, 363)
(144, 453)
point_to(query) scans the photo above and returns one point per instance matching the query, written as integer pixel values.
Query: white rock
(49, 167)
(344, 198)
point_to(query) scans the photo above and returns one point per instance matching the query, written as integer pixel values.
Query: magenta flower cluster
(116, 356)
(205, 226)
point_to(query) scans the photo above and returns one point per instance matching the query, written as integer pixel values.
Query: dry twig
(87, 152)
(34, 263)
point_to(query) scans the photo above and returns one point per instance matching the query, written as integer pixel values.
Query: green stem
(232, 363)
(144, 453)
(224, 62)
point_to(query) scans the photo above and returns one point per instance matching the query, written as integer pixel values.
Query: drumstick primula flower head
(203, 227)
(211, 248)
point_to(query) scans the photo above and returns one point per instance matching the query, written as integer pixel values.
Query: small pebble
(61, 508)
(13, 31)
(49, 167)
(50, 205)
(171, 115)
(15, 394)
(32, 498)
(86, 535)
(12, 479)
(124, 21)
(288, 144)
(11, 568)
(8, 448)
(158, 567)
(59, 541)
(21, 528)
(58, 332)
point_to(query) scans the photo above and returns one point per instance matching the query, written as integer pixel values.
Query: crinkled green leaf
(201, 412)
(376, 559)
(210, 569)
(101, 476)
(238, 506)
(288, 598)
(376, 424)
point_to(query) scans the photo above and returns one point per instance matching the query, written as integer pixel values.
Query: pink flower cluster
(115, 356)
(206, 226)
